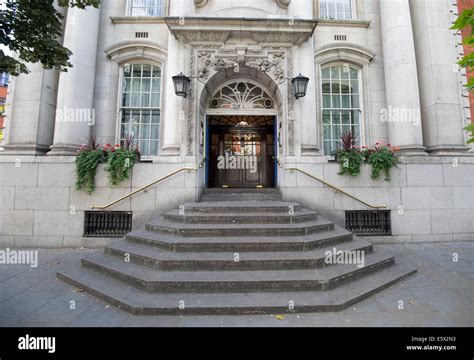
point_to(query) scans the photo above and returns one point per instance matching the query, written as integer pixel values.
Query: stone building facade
(383, 69)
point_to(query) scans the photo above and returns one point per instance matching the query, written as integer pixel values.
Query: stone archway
(246, 105)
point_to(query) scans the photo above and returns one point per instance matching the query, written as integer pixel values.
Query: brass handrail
(330, 185)
(203, 161)
(95, 207)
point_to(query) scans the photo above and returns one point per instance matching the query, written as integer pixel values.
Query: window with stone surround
(147, 7)
(341, 110)
(336, 9)
(140, 113)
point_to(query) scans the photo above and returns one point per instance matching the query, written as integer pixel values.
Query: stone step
(240, 244)
(241, 207)
(139, 302)
(224, 261)
(252, 194)
(152, 280)
(200, 230)
(240, 197)
(299, 216)
(240, 191)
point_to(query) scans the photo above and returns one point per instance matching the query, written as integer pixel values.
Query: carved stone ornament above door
(270, 62)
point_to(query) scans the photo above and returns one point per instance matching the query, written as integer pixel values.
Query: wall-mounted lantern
(300, 86)
(181, 85)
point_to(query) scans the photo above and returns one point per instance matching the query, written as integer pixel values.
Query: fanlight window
(241, 96)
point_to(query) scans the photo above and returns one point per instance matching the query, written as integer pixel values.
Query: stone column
(75, 113)
(401, 77)
(31, 109)
(441, 104)
(174, 109)
(174, 105)
(304, 64)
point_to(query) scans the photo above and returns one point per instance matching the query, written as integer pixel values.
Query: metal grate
(141, 35)
(340, 37)
(107, 223)
(369, 223)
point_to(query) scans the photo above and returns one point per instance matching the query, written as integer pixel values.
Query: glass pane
(354, 74)
(136, 85)
(345, 86)
(126, 116)
(336, 88)
(346, 129)
(335, 73)
(126, 100)
(124, 132)
(345, 71)
(156, 87)
(346, 118)
(326, 101)
(137, 70)
(326, 117)
(145, 100)
(355, 117)
(155, 117)
(154, 146)
(354, 86)
(135, 100)
(126, 85)
(146, 117)
(326, 88)
(355, 101)
(325, 74)
(336, 101)
(327, 132)
(146, 71)
(336, 132)
(155, 129)
(335, 117)
(345, 102)
(127, 71)
(135, 117)
(145, 131)
(156, 72)
(144, 147)
(155, 100)
(135, 131)
(146, 83)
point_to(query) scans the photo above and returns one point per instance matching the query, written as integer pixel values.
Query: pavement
(441, 294)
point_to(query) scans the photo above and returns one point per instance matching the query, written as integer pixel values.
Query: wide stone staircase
(235, 252)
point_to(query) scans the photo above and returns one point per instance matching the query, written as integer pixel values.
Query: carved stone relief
(270, 63)
(207, 59)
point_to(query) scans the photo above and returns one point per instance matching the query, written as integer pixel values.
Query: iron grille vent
(141, 35)
(369, 223)
(107, 223)
(340, 37)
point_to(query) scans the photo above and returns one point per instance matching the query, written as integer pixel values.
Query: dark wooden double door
(241, 157)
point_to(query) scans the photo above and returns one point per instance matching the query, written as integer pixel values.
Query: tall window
(141, 106)
(340, 105)
(147, 7)
(335, 9)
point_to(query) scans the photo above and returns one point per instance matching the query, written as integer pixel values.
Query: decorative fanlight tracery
(241, 96)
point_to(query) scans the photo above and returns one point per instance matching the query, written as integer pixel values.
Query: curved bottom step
(139, 302)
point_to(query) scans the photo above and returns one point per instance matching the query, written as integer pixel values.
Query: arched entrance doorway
(241, 135)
